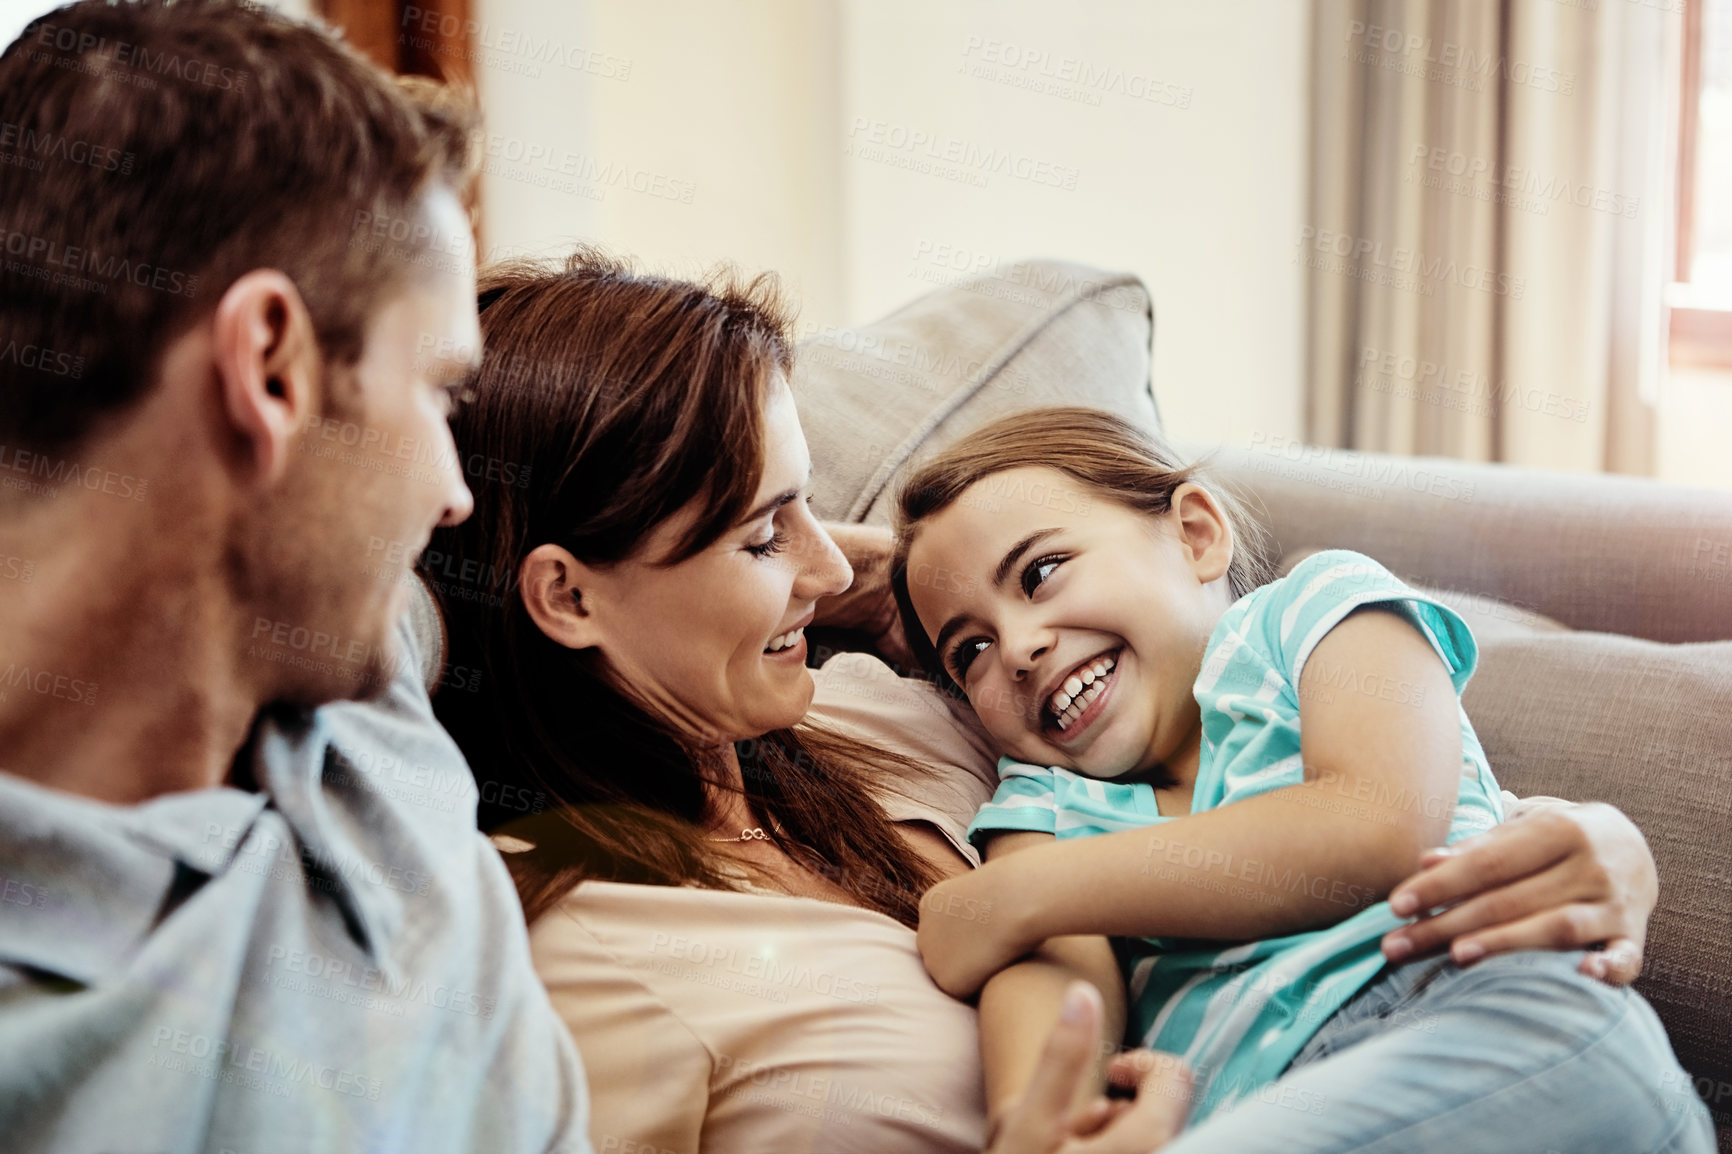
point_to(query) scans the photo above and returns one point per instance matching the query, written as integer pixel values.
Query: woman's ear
(1204, 531)
(552, 584)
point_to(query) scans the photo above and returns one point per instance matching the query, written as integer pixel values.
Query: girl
(1227, 776)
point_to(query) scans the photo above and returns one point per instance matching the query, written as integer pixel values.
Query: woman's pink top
(762, 1023)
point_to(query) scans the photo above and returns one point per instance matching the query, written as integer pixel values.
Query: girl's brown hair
(1103, 451)
(606, 402)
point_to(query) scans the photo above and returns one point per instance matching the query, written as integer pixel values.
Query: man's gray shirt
(334, 962)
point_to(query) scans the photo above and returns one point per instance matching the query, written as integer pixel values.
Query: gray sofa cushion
(878, 400)
(1645, 726)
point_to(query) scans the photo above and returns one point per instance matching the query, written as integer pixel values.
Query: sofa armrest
(1598, 552)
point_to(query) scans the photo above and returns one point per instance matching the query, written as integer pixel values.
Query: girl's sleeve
(1026, 801)
(1325, 587)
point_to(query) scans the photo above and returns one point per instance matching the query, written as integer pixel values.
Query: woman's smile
(789, 647)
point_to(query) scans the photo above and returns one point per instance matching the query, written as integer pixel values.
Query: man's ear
(553, 585)
(1204, 530)
(268, 365)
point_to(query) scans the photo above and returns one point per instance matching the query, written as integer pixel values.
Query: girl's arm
(1020, 1005)
(1381, 770)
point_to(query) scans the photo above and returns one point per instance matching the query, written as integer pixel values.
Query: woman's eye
(1038, 571)
(963, 656)
(773, 545)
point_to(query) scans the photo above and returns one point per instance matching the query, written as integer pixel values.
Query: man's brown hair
(153, 152)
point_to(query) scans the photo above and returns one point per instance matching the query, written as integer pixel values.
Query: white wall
(1695, 414)
(1174, 135)
(684, 133)
(760, 131)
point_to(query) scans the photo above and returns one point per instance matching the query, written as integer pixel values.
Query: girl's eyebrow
(1016, 552)
(1005, 565)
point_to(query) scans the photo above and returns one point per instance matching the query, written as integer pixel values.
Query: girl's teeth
(1072, 690)
(1067, 707)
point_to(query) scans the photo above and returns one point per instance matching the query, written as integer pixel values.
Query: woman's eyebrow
(1005, 565)
(775, 502)
(770, 506)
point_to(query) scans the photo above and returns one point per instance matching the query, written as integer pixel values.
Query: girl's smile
(1075, 625)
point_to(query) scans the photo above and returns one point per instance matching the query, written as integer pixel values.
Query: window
(1701, 297)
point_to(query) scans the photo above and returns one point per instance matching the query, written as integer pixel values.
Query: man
(237, 296)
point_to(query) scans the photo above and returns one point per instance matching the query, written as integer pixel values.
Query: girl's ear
(1204, 531)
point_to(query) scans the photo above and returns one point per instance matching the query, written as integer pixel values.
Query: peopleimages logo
(1066, 77)
(512, 42)
(27, 147)
(49, 254)
(85, 52)
(1516, 185)
(43, 360)
(187, 1052)
(41, 473)
(1447, 62)
(46, 682)
(1405, 268)
(951, 157)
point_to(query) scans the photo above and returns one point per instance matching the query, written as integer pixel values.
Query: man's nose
(459, 502)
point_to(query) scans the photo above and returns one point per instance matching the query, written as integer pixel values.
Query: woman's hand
(966, 934)
(1044, 1122)
(1563, 877)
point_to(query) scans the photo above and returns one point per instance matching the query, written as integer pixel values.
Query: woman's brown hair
(1110, 455)
(606, 402)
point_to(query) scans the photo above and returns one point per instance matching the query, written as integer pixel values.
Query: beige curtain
(1490, 212)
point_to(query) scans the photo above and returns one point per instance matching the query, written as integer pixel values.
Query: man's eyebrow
(1004, 567)
(775, 502)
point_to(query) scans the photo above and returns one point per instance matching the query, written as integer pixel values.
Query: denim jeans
(1516, 1053)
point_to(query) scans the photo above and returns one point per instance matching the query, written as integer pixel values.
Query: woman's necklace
(756, 833)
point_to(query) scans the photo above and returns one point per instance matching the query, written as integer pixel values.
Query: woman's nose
(824, 571)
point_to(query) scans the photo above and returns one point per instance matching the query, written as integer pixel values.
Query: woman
(645, 681)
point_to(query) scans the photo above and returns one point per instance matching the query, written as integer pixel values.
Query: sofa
(1603, 605)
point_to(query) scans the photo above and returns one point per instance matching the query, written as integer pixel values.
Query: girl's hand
(965, 933)
(1561, 878)
(1043, 1120)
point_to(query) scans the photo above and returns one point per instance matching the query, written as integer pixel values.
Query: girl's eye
(963, 656)
(773, 545)
(1038, 571)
